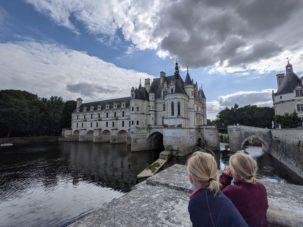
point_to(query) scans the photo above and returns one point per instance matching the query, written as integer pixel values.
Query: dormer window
(123, 105)
(115, 106)
(99, 107)
(84, 109)
(91, 108)
(299, 92)
(107, 106)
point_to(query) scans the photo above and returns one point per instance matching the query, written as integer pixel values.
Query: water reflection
(52, 184)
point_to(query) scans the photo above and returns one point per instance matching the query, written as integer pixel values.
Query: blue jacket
(209, 210)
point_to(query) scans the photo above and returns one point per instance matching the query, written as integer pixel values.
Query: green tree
(288, 120)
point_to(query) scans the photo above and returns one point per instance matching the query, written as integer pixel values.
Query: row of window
(99, 115)
(107, 124)
(133, 108)
(300, 107)
(115, 106)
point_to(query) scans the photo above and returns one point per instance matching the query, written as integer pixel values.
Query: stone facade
(289, 95)
(168, 108)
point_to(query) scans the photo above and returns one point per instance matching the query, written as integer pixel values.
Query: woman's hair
(244, 167)
(203, 168)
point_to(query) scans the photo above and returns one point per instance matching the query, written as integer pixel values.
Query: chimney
(162, 76)
(147, 84)
(79, 103)
(280, 78)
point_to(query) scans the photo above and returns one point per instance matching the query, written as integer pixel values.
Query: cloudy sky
(98, 49)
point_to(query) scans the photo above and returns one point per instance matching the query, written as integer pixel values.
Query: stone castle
(168, 111)
(289, 95)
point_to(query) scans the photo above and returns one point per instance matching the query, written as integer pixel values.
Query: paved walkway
(162, 200)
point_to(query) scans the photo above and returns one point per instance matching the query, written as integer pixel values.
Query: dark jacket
(209, 210)
(250, 200)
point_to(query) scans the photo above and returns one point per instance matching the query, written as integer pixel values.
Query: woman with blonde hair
(208, 206)
(248, 195)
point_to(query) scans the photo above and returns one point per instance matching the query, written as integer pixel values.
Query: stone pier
(162, 200)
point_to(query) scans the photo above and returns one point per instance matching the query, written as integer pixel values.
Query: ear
(191, 179)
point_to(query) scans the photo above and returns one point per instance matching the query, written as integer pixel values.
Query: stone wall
(286, 145)
(31, 139)
(162, 200)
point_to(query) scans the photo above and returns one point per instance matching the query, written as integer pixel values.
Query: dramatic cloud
(227, 36)
(242, 98)
(49, 69)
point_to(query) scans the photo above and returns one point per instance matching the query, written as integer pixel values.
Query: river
(55, 184)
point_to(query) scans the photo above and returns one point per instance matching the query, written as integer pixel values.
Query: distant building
(289, 95)
(169, 107)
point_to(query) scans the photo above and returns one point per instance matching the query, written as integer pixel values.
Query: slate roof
(202, 94)
(141, 93)
(188, 81)
(103, 103)
(289, 83)
(178, 81)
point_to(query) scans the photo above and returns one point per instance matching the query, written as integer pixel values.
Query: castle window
(122, 113)
(77, 117)
(171, 90)
(132, 122)
(115, 106)
(113, 124)
(84, 116)
(123, 105)
(299, 92)
(91, 124)
(281, 97)
(122, 123)
(129, 123)
(99, 107)
(137, 122)
(179, 108)
(91, 116)
(96, 124)
(172, 108)
(99, 116)
(132, 108)
(106, 124)
(137, 108)
(106, 115)
(107, 106)
(77, 124)
(91, 108)
(163, 106)
(300, 107)
(84, 109)
(82, 125)
(115, 114)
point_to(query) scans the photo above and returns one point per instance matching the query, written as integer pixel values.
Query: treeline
(25, 114)
(255, 116)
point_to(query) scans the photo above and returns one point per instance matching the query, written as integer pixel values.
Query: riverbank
(162, 200)
(30, 139)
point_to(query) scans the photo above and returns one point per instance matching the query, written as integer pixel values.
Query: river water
(55, 184)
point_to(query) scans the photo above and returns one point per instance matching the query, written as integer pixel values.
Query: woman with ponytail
(248, 195)
(208, 206)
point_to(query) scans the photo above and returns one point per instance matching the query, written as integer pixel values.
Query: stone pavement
(162, 200)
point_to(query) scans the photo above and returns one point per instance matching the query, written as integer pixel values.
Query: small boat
(6, 145)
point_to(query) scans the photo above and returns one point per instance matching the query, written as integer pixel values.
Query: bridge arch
(155, 141)
(122, 136)
(76, 133)
(265, 146)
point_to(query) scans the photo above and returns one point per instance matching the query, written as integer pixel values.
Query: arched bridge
(240, 135)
